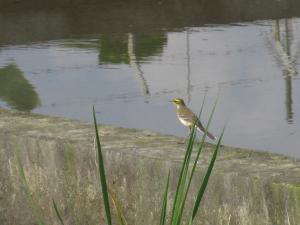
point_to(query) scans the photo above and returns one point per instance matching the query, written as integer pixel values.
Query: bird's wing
(201, 128)
(186, 114)
(199, 125)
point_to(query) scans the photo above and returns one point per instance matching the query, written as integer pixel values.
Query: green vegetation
(102, 173)
(184, 181)
(57, 212)
(182, 191)
(34, 206)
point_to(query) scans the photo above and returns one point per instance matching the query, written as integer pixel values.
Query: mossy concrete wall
(246, 187)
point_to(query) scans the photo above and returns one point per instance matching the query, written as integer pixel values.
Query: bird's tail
(211, 136)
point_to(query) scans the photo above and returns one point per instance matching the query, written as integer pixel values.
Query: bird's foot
(182, 141)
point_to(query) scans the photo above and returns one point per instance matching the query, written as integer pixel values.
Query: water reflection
(131, 74)
(126, 48)
(116, 48)
(188, 63)
(15, 90)
(20, 25)
(113, 49)
(136, 65)
(133, 49)
(282, 34)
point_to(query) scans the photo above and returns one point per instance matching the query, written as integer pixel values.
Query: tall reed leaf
(102, 172)
(182, 177)
(38, 217)
(57, 212)
(206, 177)
(164, 203)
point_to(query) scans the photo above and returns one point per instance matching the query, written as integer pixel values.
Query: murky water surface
(60, 64)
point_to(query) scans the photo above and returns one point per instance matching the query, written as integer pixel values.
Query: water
(61, 63)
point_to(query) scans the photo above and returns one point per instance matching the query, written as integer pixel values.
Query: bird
(188, 118)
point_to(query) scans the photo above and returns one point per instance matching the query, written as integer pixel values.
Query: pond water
(62, 62)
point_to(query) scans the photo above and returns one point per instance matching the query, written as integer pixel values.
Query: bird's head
(178, 101)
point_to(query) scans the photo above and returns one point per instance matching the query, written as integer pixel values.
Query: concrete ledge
(246, 187)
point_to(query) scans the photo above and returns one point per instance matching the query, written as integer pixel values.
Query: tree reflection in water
(15, 90)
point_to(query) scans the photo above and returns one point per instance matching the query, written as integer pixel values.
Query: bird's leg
(188, 136)
(185, 139)
(182, 141)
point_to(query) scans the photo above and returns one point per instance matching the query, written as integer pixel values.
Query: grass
(183, 185)
(57, 213)
(102, 172)
(34, 206)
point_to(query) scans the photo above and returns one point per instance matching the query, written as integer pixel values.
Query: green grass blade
(206, 177)
(77, 220)
(57, 212)
(164, 203)
(102, 172)
(209, 120)
(182, 177)
(37, 215)
(117, 206)
(196, 160)
(202, 106)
